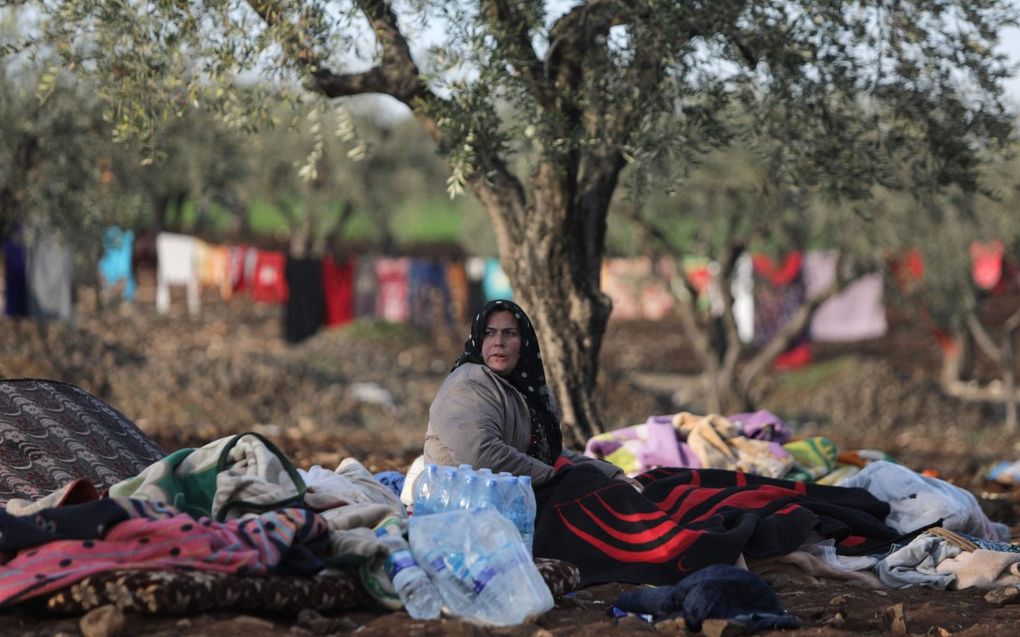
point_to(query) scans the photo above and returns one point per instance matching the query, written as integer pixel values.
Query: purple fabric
(857, 313)
(762, 425)
(658, 447)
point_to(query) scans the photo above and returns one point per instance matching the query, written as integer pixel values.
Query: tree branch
(395, 75)
(981, 336)
(510, 28)
(782, 341)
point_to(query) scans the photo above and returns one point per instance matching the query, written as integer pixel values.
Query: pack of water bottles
(441, 489)
(478, 563)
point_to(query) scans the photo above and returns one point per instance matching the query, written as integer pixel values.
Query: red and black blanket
(687, 519)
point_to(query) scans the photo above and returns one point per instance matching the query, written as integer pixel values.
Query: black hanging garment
(305, 310)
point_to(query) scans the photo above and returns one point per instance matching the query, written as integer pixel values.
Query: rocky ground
(364, 391)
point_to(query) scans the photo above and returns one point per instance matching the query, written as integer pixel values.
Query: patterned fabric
(528, 377)
(183, 592)
(285, 541)
(561, 577)
(687, 519)
(813, 458)
(52, 433)
(224, 479)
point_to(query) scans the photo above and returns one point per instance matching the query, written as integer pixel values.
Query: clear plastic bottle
(447, 570)
(480, 566)
(446, 490)
(424, 491)
(469, 494)
(420, 597)
(526, 524)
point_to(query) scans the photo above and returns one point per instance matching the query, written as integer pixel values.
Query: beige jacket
(479, 418)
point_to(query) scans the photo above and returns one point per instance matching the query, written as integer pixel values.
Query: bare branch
(396, 75)
(793, 328)
(510, 28)
(981, 336)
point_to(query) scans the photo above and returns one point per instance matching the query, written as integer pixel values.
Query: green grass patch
(808, 379)
(266, 218)
(431, 221)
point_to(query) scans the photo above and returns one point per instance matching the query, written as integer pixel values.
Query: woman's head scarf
(527, 376)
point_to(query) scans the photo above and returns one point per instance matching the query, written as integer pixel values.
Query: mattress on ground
(52, 433)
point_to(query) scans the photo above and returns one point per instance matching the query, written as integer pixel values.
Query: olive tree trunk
(551, 247)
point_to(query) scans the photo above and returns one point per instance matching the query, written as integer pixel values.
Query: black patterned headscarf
(528, 376)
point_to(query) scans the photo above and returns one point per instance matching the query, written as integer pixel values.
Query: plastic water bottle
(417, 593)
(469, 492)
(448, 573)
(446, 490)
(425, 491)
(526, 523)
(480, 566)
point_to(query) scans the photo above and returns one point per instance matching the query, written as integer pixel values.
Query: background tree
(847, 89)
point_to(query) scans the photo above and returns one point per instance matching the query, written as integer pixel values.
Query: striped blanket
(687, 519)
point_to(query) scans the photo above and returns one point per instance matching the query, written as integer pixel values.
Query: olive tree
(539, 106)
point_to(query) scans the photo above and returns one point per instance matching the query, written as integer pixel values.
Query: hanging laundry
(495, 282)
(15, 274)
(392, 297)
(460, 294)
(742, 289)
(428, 294)
(906, 269)
(235, 268)
(475, 269)
(49, 266)
(857, 313)
(115, 264)
(269, 283)
(622, 283)
(986, 264)
(305, 309)
(338, 291)
(175, 257)
(213, 262)
(778, 294)
(366, 288)
(656, 299)
(143, 253)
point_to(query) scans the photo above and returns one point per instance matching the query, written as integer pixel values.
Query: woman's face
(501, 344)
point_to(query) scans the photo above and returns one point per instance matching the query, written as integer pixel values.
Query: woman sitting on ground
(495, 410)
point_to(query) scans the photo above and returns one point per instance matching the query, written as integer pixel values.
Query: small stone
(839, 600)
(1003, 596)
(105, 621)
(722, 628)
(675, 626)
(892, 620)
(838, 619)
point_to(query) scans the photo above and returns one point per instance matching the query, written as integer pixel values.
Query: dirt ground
(364, 391)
